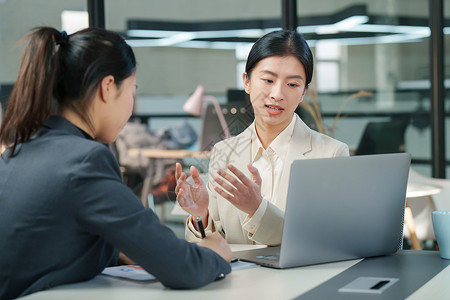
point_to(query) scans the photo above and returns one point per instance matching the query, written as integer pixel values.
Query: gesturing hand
(192, 198)
(242, 192)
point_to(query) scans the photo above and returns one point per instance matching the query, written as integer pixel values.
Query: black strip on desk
(413, 268)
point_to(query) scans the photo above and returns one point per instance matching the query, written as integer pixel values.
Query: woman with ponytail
(64, 212)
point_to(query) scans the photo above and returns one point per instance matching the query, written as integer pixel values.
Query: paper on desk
(239, 265)
(135, 272)
(132, 272)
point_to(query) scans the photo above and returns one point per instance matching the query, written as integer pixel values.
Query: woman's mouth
(273, 109)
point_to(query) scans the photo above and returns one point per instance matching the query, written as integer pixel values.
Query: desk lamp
(193, 105)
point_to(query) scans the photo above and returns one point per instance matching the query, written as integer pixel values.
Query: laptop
(339, 209)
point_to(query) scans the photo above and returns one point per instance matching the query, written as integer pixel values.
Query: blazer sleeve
(107, 208)
(342, 150)
(271, 227)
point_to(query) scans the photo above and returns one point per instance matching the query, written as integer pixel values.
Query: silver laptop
(338, 209)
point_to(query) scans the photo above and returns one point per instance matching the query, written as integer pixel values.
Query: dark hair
(281, 43)
(59, 71)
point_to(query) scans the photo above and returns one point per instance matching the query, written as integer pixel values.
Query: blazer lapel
(243, 150)
(299, 146)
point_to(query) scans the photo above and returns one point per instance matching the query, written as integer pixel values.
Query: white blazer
(225, 217)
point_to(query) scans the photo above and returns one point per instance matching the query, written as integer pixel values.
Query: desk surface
(256, 282)
(421, 190)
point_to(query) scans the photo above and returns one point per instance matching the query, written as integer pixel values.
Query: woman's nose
(276, 93)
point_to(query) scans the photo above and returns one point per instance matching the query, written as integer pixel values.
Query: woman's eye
(293, 85)
(268, 80)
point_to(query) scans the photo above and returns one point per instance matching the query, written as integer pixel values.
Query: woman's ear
(246, 81)
(303, 94)
(107, 88)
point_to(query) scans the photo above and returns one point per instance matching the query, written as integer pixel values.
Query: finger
(177, 170)
(225, 176)
(255, 174)
(195, 175)
(178, 188)
(180, 181)
(180, 198)
(244, 179)
(224, 194)
(226, 186)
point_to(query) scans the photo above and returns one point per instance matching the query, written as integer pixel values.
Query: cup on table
(441, 226)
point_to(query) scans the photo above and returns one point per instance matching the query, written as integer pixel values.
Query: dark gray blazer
(64, 213)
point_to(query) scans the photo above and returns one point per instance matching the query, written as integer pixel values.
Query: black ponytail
(61, 71)
(30, 102)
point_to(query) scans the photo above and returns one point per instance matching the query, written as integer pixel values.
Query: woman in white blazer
(245, 195)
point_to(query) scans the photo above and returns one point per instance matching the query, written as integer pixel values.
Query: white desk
(253, 283)
(417, 190)
(414, 190)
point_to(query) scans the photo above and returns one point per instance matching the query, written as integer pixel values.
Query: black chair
(383, 137)
(238, 118)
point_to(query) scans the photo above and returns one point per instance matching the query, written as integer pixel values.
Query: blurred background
(373, 66)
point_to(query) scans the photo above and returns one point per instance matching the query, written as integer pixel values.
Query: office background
(381, 47)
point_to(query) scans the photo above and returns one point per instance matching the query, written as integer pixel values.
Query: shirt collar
(279, 145)
(60, 123)
(256, 144)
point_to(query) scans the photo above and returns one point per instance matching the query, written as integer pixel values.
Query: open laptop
(338, 209)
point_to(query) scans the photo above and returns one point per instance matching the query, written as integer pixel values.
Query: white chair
(422, 206)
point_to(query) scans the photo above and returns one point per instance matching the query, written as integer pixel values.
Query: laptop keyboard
(273, 257)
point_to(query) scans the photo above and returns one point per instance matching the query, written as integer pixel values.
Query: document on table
(239, 265)
(135, 272)
(132, 272)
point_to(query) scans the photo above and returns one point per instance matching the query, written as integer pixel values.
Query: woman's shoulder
(324, 137)
(71, 149)
(232, 141)
(74, 144)
(322, 141)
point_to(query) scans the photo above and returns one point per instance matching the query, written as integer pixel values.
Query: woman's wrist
(204, 217)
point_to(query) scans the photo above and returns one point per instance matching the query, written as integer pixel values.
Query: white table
(414, 190)
(417, 190)
(252, 283)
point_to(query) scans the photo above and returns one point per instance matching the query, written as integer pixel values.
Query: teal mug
(441, 226)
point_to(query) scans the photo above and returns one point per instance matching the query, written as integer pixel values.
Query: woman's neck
(76, 120)
(267, 134)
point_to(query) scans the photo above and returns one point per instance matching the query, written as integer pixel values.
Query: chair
(144, 176)
(383, 137)
(421, 207)
(237, 116)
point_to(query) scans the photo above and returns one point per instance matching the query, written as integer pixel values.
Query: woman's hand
(192, 198)
(125, 260)
(242, 192)
(218, 244)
